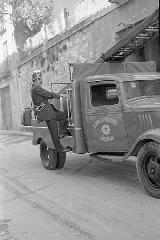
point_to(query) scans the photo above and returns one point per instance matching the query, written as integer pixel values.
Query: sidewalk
(23, 131)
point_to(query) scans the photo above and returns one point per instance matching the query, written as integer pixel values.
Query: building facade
(84, 41)
(9, 100)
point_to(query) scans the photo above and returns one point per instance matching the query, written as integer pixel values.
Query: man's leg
(53, 128)
(63, 123)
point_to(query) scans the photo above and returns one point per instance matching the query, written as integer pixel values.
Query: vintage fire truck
(113, 112)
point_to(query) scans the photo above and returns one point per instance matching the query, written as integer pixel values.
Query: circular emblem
(105, 129)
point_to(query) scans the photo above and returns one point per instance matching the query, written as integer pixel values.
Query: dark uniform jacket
(40, 100)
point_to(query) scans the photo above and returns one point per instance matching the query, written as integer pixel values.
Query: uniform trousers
(53, 128)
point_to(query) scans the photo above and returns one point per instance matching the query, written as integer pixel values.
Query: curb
(16, 133)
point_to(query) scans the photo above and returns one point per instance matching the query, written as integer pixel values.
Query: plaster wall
(5, 82)
(8, 36)
(15, 106)
(16, 109)
(8, 52)
(7, 72)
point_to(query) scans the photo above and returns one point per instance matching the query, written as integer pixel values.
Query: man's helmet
(36, 75)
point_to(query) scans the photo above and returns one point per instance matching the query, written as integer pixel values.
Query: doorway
(6, 108)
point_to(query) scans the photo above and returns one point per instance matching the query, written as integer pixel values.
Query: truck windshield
(141, 88)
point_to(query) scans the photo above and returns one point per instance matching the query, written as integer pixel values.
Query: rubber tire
(152, 147)
(61, 160)
(48, 156)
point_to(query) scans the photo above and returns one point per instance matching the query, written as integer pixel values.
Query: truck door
(103, 118)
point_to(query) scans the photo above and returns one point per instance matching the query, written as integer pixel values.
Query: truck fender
(148, 136)
(42, 133)
(47, 141)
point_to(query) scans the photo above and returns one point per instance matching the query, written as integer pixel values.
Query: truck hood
(146, 120)
(152, 102)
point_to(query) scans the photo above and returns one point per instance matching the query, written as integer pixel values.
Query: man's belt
(40, 107)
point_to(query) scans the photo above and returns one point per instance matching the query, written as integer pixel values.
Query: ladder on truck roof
(133, 40)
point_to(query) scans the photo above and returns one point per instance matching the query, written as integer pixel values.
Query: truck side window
(105, 94)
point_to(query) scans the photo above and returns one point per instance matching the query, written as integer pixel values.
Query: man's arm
(44, 93)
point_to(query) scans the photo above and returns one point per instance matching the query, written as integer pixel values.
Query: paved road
(88, 199)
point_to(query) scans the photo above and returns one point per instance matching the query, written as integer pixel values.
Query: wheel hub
(154, 171)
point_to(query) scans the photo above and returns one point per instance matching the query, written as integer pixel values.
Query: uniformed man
(45, 111)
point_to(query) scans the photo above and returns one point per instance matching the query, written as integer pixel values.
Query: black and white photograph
(79, 120)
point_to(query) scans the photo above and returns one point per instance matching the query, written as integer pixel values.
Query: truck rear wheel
(48, 156)
(148, 168)
(61, 160)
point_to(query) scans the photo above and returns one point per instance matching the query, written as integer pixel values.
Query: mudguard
(40, 133)
(148, 136)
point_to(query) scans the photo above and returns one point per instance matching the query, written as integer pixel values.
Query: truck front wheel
(48, 156)
(148, 168)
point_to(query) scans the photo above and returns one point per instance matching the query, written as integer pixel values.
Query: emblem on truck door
(105, 129)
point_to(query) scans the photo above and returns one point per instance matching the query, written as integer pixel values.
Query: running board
(113, 158)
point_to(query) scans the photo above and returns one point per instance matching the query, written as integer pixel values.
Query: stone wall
(83, 43)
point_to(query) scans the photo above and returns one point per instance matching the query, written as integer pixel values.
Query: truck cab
(117, 109)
